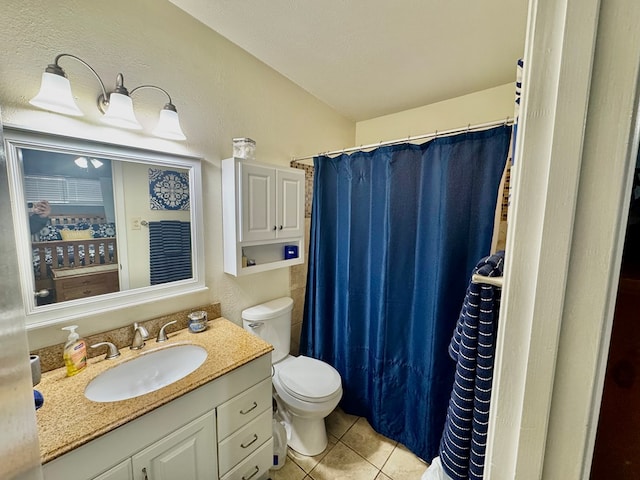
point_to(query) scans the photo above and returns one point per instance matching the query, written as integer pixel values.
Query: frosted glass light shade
(55, 95)
(169, 125)
(120, 112)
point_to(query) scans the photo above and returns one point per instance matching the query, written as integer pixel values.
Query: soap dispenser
(75, 352)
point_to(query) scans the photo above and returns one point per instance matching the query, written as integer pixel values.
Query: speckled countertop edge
(68, 419)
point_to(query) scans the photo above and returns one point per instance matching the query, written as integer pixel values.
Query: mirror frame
(44, 315)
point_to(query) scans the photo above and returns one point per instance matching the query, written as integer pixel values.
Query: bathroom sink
(146, 373)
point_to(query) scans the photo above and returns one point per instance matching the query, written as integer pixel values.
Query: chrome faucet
(140, 334)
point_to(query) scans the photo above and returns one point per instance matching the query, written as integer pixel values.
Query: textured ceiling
(368, 58)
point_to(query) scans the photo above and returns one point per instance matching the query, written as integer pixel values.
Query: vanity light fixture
(83, 162)
(55, 95)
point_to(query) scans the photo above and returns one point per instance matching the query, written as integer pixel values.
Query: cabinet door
(290, 203)
(122, 471)
(257, 203)
(187, 454)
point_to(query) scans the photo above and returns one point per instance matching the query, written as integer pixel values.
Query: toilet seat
(310, 380)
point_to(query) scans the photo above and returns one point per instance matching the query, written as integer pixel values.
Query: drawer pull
(257, 469)
(144, 472)
(253, 407)
(255, 437)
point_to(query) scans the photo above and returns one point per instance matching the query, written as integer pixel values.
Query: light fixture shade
(81, 162)
(55, 95)
(169, 125)
(120, 112)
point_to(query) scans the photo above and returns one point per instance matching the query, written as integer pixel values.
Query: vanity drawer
(244, 442)
(243, 408)
(255, 466)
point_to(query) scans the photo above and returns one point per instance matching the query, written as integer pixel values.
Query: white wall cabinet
(263, 211)
(180, 440)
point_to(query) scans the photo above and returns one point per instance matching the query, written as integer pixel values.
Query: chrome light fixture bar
(55, 95)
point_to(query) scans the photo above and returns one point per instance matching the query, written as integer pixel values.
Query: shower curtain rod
(444, 133)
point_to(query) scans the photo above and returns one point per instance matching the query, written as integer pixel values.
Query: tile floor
(355, 452)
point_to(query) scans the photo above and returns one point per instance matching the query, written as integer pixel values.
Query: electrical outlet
(136, 223)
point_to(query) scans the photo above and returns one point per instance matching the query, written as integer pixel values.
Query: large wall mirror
(101, 226)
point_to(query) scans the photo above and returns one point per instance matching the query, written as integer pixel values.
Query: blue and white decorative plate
(168, 190)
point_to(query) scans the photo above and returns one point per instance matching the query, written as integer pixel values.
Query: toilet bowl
(309, 390)
(306, 389)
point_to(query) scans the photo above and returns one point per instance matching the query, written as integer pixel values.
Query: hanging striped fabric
(464, 439)
(169, 251)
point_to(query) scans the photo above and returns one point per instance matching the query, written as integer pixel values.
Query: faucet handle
(162, 335)
(113, 350)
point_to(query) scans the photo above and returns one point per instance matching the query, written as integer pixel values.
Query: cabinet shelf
(262, 212)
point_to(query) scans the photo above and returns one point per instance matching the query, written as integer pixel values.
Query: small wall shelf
(262, 213)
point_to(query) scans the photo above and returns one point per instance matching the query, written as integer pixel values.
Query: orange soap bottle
(75, 352)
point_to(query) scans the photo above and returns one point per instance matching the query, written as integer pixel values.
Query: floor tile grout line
(316, 464)
(308, 475)
(345, 432)
(396, 443)
(366, 460)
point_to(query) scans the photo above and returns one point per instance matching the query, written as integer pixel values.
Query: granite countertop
(68, 419)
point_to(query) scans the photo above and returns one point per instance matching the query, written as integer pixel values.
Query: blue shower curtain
(395, 234)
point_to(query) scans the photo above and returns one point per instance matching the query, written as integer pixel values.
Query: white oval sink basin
(146, 373)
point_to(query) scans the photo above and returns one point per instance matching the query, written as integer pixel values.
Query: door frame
(577, 140)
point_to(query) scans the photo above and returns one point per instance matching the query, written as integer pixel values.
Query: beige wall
(480, 107)
(220, 91)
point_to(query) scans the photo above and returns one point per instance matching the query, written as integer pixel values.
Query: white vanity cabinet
(197, 436)
(184, 454)
(122, 471)
(244, 426)
(263, 211)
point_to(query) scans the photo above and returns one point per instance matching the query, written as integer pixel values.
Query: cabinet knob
(280, 227)
(144, 472)
(275, 228)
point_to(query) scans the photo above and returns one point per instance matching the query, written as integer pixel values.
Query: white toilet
(307, 389)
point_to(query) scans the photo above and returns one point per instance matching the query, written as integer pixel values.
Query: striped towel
(464, 438)
(169, 251)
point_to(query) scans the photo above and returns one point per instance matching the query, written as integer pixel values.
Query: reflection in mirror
(72, 224)
(100, 221)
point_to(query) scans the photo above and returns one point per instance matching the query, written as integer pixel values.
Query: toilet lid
(309, 379)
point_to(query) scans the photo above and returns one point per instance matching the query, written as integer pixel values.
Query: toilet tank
(271, 321)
